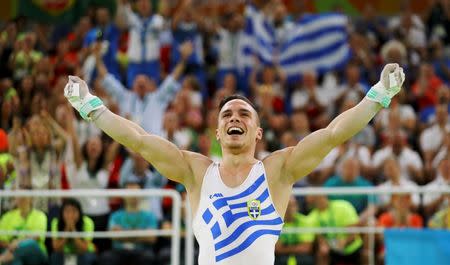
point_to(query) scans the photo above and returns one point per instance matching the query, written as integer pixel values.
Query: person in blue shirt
(131, 250)
(108, 34)
(350, 177)
(187, 25)
(145, 27)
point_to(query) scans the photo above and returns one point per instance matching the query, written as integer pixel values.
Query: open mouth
(235, 131)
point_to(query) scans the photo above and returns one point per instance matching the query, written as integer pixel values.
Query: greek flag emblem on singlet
(236, 221)
(254, 209)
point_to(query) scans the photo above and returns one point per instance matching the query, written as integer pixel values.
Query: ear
(259, 134)
(217, 135)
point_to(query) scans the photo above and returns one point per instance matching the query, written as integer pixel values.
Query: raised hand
(391, 81)
(77, 93)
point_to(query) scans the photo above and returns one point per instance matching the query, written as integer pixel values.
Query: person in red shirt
(426, 86)
(400, 215)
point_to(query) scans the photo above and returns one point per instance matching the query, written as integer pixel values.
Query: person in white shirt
(443, 152)
(434, 201)
(145, 104)
(391, 170)
(432, 138)
(411, 164)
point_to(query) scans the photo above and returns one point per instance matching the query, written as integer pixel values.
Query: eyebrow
(242, 110)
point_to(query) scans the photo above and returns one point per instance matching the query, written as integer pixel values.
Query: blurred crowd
(167, 71)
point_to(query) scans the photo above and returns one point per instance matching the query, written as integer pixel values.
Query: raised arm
(307, 154)
(162, 154)
(113, 86)
(170, 86)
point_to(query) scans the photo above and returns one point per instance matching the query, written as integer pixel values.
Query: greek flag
(237, 221)
(317, 42)
(258, 39)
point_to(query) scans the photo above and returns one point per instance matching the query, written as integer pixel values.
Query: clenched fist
(391, 81)
(77, 92)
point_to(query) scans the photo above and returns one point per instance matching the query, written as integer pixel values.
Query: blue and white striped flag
(317, 42)
(258, 39)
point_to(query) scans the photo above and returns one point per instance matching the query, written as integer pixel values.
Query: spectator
(426, 86)
(372, 25)
(39, 156)
(399, 216)
(86, 168)
(443, 152)
(409, 27)
(137, 169)
(441, 219)
(332, 163)
(7, 42)
(145, 100)
(9, 101)
(311, 98)
(437, 21)
(131, 250)
(434, 201)
(350, 177)
(71, 219)
(65, 60)
(7, 170)
(433, 138)
(145, 28)
(295, 246)
(24, 56)
(440, 61)
(107, 34)
(22, 249)
(300, 125)
(228, 44)
(405, 113)
(428, 115)
(187, 26)
(393, 174)
(173, 131)
(270, 89)
(335, 248)
(353, 88)
(411, 164)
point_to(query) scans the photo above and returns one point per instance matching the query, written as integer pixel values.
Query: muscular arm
(308, 153)
(164, 155)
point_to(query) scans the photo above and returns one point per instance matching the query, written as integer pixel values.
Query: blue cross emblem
(254, 209)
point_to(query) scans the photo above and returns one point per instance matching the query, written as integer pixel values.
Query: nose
(235, 118)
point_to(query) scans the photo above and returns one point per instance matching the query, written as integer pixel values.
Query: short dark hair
(233, 97)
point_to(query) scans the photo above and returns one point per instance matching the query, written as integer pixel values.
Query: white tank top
(236, 226)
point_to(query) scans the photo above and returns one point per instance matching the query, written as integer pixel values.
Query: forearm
(350, 122)
(58, 244)
(81, 244)
(102, 71)
(179, 69)
(120, 129)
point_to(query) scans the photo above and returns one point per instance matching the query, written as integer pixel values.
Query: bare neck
(236, 161)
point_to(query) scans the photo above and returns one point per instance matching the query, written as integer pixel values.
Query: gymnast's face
(238, 126)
